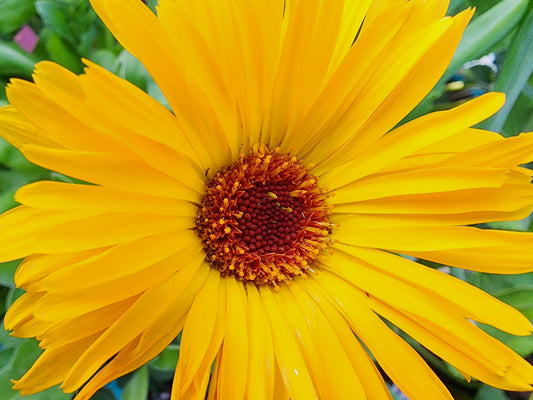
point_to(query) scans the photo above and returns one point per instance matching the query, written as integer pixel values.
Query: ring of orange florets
(264, 219)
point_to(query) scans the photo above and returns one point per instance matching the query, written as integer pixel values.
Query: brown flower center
(263, 219)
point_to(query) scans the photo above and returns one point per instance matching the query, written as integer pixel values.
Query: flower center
(263, 219)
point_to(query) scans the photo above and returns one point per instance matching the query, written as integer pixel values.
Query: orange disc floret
(264, 219)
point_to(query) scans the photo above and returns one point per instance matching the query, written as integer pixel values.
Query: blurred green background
(496, 53)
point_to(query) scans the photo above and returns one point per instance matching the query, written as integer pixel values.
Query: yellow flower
(266, 215)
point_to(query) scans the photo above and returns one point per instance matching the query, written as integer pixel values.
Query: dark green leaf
(15, 13)
(63, 53)
(14, 61)
(167, 360)
(7, 272)
(137, 386)
(132, 70)
(104, 394)
(485, 31)
(515, 72)
(520, 297)
(490, 393)
(478, 39)
(54, 16)
(105, 58)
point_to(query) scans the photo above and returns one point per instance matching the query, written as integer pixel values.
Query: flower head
(265, 216)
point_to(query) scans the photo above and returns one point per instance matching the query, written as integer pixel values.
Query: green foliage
(515, 73)
(15, 13)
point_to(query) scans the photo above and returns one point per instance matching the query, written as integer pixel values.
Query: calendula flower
(265, 216)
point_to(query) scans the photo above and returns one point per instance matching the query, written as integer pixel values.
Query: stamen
(264, 219)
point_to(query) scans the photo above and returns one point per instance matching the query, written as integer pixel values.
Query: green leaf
(490, 393)
(137, 386)
(456, 6)
(15, 13)
(486, 31)
(152, 4)
(167, 359)
(104, 394)
(7, 272)
(11, 180)
(478, 39)
(132, 70)
(520, 119)
(11, 157)
(16, 357)
(155, 92)
(14, 61)
(54, 16)
(515, 72)
(63, 53)
(520, 297)
(104, 58)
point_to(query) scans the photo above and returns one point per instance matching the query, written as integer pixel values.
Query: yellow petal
(261, 363)
(405, 297)
(125, 105)
(413, 136)
(150, 342)
(139, 316)
(21, 310)
(38, 266)
(119, 261)
(472, 302)
(438, 341)
(289, 358)
(419, 239)
(22, 226)
(139, 31)
(66, 303)
(202, 336)
(351, 75)
(334, 368)
(19, 132)
(111, 170)
(369, 376)
(493, 202)
(56, 121)
(401, 363)
(408, 72)
(77, 328)
(233, 367)
(52, 366)
(430, 180)
(64, 196)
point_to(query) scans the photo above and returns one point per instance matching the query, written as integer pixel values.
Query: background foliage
(66, 31)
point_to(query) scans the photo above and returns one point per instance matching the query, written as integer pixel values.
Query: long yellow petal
(369, 376)
(289, 357)
(331, 369)
(261, 363)
(111, 170)
(437, 340)
(472, 302)
(120, 261)
(401, 363)
(430, 180)
(139, 316)
(62, 304)
(202, 334)
(150, 342)
(51, 195)
(413, 136)
(52, 366)
(233, 367)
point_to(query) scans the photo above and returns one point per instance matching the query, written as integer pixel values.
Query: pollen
(264, 219)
